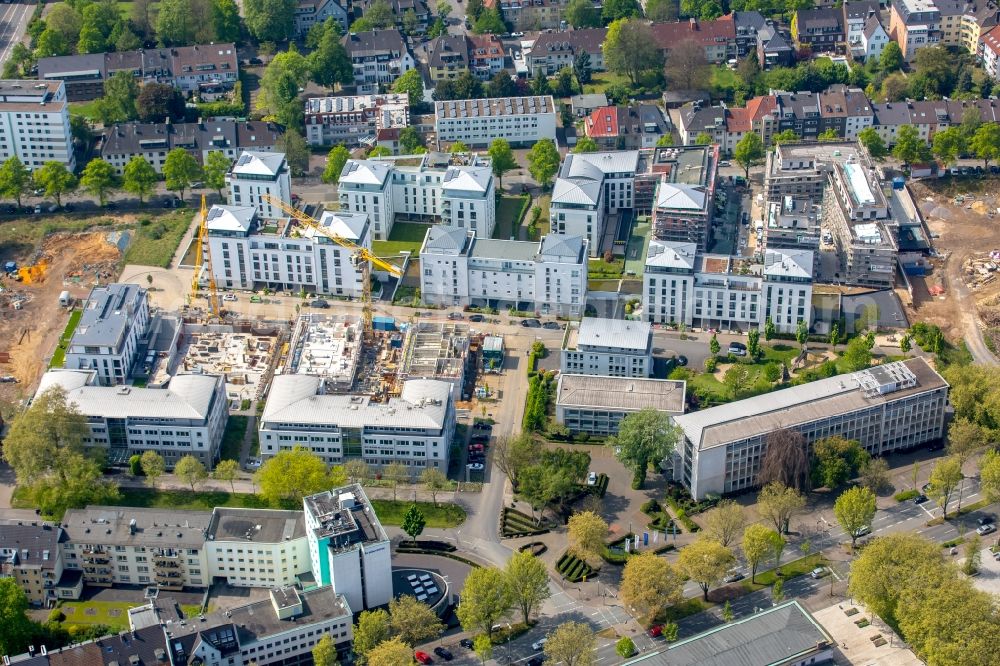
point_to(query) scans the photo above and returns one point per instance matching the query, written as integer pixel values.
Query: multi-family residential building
(964, 21)
(989, 52)
(399, 9)
(111, 331)
(455, 190)
(684, 286)
(930, 116)
(774, 48)
(607, 347)
(792, 224)
(348, 547)
(34, 123)
(186, 418)
(914, 24)
(31, 555)
(626, 127)
(845, 110)
(585, 104)
(353, 121)
(856, 17)
(555, 49)
(888, 408)
(596, 404)
(873, 41)
(193, 69)
(447, 57)
(257, 547)
(378, 57)
(152, 141)
(311, 12)
(717, 38)
(819, 29)
(529, 14)
(485, 56)
(255, 175)
(685, 195)
(414, 429)
(247, 254)
(459, 268)
(522, 121)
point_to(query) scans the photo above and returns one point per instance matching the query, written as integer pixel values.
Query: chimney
(693, 23)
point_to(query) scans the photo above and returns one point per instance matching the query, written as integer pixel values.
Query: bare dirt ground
(29, 335)
(962, 214)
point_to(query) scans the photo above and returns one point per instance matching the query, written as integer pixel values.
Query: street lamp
(509, 632)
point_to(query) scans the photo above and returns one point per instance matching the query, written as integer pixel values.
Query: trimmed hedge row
(516, 524)
(906, 495)
(601, 487)
(688, 524)
(536, 547)
(573, 568)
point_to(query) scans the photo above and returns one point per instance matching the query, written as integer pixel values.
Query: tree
(945, 478)
(875, 474)
(802, 333)
(98, 178)
(686, 67)
(973, 555)
(270, 20)
(190, 470)
(55, 179)
(66, 20)
(989, 475)
(226, 20)
(724, 522)
(485, 598)
(949, 144)
(713, 345)
(964, 439)
(513, 454)
(410, 141)
(586, 532)
(434, 480)
(392, 652)
(490, 22)
(124, 39)
(829, 135)
(395, 473)
(357, 470)
(180, 170)
(785, 460)
(540, 83)
(329, 64)
(904, 344)
(15, 178)
(985, 143)
(412, 84)
(175, 23)
(290, 475)
(528, 582)
(464, 86)
(873, 143)
(910, 148)
(140, 178)
(413, 621)
(749, 151)
(855, 509)
(756, 545)
(885, 569)
(753, 344)
(413, 522)
(153, 466)
(586, 145)
(613, 10)
(215, 170)
(630, 49)
(778, 503)
(573, 644)
(644, 437)
(278, 97)
(706, 562)
(296, 151)
(581, 67)
(371, 630)
(324, 653)
(52, 43)
(502, 159)
(834, 335)
(91, 40)
(335, 161)
(737, 379)
(661, 10)
(769, 328)
(16, 628)
(159, 101)
(483, 647)
(837, 460)
(650, 584)
(227, 470)
(625, 648)
(785, 136)
(891, 59)
(501, 85)
(857, 356)
(582, 14)
(543, 161)
(458, 148)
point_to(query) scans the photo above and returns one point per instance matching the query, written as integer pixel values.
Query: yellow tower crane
(363, 259)
(204, 260)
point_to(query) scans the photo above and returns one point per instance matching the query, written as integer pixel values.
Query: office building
(257, 547)
(31, 555)
(353, 121)
(459, 268)
(256, 174)
(348, 547)
(608, 347)
(186, 418)
(111, 333)
(684, 286)
(892, 407)
(453, 190)
(414, 429)
(284, 255)
(202, 69)
(34, 123)
(596, 404)
(152, 141)
(378, 57)
(522, 121)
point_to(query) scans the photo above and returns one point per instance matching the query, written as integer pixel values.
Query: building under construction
(436, 351)
(328, 347)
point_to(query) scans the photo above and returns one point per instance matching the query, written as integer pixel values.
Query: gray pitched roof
(861, 9)
(210, 134)
(561, 247)
(32, 543)
(448, 50)
(109, 312)
(441, 237)
(375, 42)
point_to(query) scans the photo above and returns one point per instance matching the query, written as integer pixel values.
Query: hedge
(536, 547)
(906, 495)
(651, 507)
(573, 568)
(688, 524)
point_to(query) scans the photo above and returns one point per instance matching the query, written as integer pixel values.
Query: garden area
(232, 437)
(404, 237)
(510, 211)
(157, 237)
(59, 355)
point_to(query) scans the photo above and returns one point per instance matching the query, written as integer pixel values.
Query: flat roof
(628, 394)
(255, 525)
(104, 525)
(345, 515)
(797, 405)
(496, 106)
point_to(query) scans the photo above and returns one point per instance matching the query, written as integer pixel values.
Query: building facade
(311, 12)
(893, 407)
(34, 123)
(257, 547)
(607, 347)
(819, 29)
(256, 175)
(378, 57)
(356, 120)
(522, 121)
(111, 331)
(596, 404)
(31, 555)
(914, 24)
(554, 50)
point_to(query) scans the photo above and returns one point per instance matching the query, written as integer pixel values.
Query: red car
(656, 631)
(423, 657)
(476, 448)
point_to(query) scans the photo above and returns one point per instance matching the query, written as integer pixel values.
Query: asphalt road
(13, 22)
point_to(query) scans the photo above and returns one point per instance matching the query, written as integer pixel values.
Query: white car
(229, 297)
(986, 529)
(253, 463)
(476, 467)
(539, 644)
(592, 479)
(817, 572)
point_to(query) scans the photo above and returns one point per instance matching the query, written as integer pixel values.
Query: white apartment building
(522, 121)
(350, 550)
(131, 546)
(247, 254)
(458, 268)
(590, 187)
(607, 347)
(682, 286)
(354, 120)
(34, 123)
(187, 417)
(414, 429)
(257, 547)
(455, 191)
(114, 322)
(378, 57)
(256, 174)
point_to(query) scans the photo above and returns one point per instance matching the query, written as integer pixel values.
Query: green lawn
(86, 109)
(391, 512)
(405, 237)
(157, 237)
(789, 570)
(724, 79)
(638, 243)
(598, 269)
(232, 438)
(204, 500)
(112, 613)
(59, 356)
(509, 216)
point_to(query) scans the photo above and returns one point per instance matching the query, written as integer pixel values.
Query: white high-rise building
(34, 123)
(256, 174)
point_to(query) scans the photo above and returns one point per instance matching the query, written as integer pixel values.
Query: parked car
(476, 317)
(537, 660)
(817, 572)
(861, 531)
(423, 657)
(682, 360)
(466, 643)
(319, 303)
(476, 467)
(229, 297)
(552, 326)
(733, 576)
(986, 529)
(38, 209)
(592, 479)
(539, 644)
(455, 315)
(737, 348)
(920, 499)
(444, 653)
(655, 631)
(984, 520)
(531, 323)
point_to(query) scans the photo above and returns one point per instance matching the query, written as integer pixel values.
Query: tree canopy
(486, 597)
(644, 437)
(290, 475)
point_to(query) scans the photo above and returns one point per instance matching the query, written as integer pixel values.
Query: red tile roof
(603, 122)
(991, 40)
(706, 33)
(739, 120)
(758, 107)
